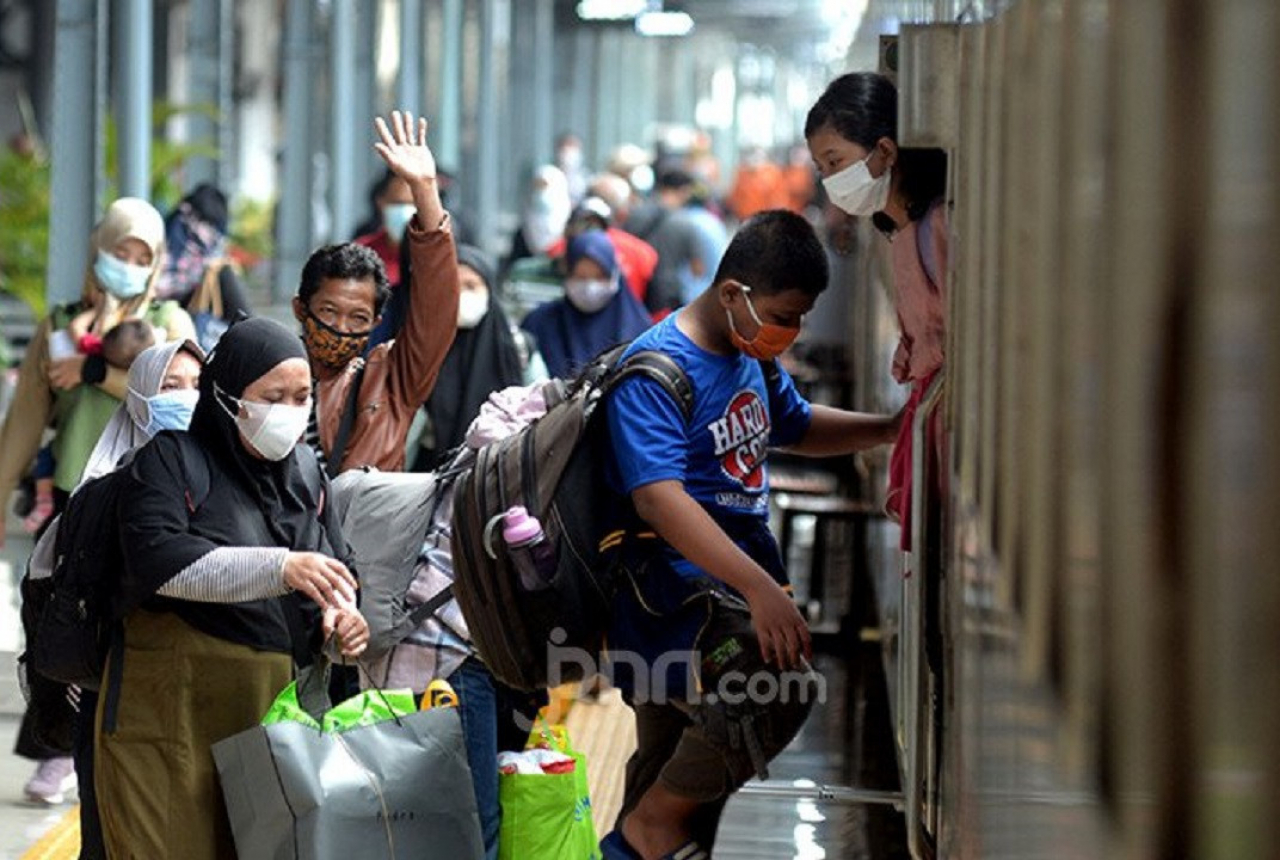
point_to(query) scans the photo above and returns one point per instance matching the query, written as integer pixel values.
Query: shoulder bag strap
(333, 462)
(924, 246)
(421, 613)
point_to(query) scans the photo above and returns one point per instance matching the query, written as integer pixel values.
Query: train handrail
(842, 795)
(912, 707)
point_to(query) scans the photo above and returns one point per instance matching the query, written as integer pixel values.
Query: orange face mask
(770, 341)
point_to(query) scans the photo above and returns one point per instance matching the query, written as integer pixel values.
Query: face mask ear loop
(325, 327)
(145, 401)
(728, 313)
(218, 394)
(751, 308)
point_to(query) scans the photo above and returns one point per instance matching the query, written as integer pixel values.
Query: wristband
(94, 369)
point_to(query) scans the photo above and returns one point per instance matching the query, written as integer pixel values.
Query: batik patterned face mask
(328, 346)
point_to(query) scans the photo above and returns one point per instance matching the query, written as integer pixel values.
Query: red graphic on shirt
(741, 439)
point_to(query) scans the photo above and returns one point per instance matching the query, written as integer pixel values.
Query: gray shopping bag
(396, 789)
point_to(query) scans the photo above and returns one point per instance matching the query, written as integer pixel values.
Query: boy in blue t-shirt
(723, 682)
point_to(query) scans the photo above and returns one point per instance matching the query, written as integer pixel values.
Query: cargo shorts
(741, 715)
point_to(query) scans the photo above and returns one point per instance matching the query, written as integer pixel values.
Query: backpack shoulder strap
(334, 461)
(421, 613)
(195, 470)
(662, 369)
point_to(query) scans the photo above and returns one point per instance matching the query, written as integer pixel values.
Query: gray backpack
(385, 516)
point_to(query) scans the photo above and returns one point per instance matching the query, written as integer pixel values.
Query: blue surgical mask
(171, 410)
(396, 217)
(122, 280)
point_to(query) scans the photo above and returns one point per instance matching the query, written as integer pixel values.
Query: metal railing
(913, 704)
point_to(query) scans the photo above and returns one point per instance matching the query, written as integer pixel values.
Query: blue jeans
(478, 708)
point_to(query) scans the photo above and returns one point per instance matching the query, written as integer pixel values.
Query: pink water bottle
(531, 552)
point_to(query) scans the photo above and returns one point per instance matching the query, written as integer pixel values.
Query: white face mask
(570, 158)
(472, 306)
(272, 429)
(588, 295)
(856, 191)
(396, 217)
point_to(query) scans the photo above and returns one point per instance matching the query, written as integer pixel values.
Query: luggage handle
(313, 687)
(543, 729)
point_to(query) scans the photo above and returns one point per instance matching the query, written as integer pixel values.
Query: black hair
(860, 106)
(126, 341)
(373, 220)
(674, 178)
(380, 187)
(773, 252)
(863, 107)
(209, 204)
(348, 261)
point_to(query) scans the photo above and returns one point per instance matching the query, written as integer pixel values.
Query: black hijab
(247, 351)
(482, 360)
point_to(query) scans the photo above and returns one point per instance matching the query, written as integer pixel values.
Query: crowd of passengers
(144, 374)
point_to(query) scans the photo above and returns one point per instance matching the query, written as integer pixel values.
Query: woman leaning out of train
(851, 131)
(231, 558)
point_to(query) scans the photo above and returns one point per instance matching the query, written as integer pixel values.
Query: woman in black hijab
(484, 358)
(230, 561)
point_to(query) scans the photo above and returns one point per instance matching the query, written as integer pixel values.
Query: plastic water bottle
(531, 552)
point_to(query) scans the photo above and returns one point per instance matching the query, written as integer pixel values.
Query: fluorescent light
(664, 24)
(611, 10)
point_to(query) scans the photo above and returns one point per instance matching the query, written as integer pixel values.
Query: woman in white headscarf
(546, 212)
(161, 395)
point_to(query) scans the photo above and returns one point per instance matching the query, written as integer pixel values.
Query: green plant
(167, 157)
(24, 227)
(252, 225)
(24, 198)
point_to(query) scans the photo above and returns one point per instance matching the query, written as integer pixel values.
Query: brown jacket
(399, 374)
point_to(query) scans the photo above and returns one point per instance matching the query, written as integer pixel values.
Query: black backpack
(81, 608)
(554, 467)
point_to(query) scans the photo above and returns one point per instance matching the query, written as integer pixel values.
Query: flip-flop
(615, 847)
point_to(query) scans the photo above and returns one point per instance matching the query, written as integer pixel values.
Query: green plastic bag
(363, 709)
(548, 816)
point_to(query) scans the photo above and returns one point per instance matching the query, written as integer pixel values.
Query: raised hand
(404, 147)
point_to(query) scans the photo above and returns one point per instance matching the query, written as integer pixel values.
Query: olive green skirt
(181, 691)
